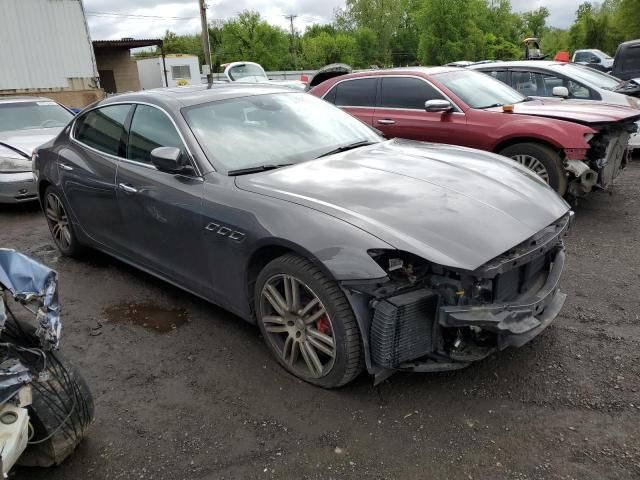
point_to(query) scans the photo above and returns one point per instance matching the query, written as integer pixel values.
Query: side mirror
(167, 159)
(594, 60)
(561, 92)
(438, 106)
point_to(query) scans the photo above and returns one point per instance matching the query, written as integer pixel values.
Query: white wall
(150, 73)
(43, 43)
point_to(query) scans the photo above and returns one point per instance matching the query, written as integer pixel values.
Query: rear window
(406, 92)
(360, 92)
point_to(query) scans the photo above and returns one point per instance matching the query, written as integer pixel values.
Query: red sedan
(574, 146)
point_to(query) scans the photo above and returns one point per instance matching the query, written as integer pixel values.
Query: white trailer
(173, 71)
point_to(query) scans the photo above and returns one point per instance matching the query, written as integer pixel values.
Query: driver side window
(151, 128)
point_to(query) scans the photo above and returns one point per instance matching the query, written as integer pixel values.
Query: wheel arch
(42, 186)
(263, 253)
(540, 141)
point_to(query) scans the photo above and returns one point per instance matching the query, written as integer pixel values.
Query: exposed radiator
(402, 328)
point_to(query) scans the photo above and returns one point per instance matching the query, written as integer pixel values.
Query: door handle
(65, 166)
(127, 188)
(386, 121)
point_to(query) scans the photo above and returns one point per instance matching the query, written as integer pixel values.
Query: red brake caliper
(323, 325)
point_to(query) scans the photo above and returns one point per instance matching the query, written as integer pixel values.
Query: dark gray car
(347, 250)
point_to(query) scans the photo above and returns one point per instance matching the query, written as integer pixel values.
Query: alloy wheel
(58, 221)
(298, 326)
(533, 164)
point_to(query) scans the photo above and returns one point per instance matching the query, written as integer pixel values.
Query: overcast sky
(108, 20)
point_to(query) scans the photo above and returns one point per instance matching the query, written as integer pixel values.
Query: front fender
(561, 134)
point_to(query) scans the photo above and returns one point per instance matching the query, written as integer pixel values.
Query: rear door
(87, 168)
(356, 96)
(162, 211)
(401, 112)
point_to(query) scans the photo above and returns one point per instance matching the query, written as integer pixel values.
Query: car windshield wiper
(256, 169)
(344, 148)
(492, 106)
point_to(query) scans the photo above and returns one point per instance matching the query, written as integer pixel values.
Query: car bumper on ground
(17, 187)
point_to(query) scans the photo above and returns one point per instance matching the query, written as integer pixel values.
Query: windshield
(245, 70)
(30, 115)
(591, 76)
(273, 129)
(602, 54)
(479, 90)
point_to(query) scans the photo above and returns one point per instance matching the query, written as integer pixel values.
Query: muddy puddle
(149, 316)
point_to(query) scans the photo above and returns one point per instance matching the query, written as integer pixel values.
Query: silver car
(25, 123)
(564, 80)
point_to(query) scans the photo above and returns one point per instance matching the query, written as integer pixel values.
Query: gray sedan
(347, 251)
(25, 123)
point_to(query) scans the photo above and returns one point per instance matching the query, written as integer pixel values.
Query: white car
(594, 58)
(565, 80)
(25, 123)
(250, 72)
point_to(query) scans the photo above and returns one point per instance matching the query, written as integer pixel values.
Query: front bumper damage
(514, 323)
(609, 153)
(425, 329)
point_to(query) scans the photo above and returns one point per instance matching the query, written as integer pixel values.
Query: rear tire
(62, 230)
(310, 327)
(541, 160)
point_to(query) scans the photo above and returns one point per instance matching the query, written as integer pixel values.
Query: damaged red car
(574, 146)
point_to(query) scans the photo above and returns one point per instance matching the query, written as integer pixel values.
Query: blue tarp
(30, 281)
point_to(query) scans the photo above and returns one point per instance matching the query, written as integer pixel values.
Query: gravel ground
(193, 394)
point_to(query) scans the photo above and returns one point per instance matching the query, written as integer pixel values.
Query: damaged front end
(607, 156)
(428, 318)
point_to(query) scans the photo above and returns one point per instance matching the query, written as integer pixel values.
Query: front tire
(541, 160)
(57, 214)
(307, 322)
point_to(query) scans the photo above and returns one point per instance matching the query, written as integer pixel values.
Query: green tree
(249, 37)
(535, 21)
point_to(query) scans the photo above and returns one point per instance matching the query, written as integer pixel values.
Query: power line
(133, 15)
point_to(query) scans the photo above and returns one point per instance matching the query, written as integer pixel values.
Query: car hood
(579, 111)
(27, 140)
(451, 205)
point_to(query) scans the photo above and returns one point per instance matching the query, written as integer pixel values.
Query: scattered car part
(45, 405)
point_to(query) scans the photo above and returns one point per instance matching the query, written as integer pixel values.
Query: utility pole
(291, 17)
(205, 40)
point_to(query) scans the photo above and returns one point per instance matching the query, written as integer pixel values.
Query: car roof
(629, 43)
(178, 97)
(399, 70)
(518, 63)
(19, 99)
